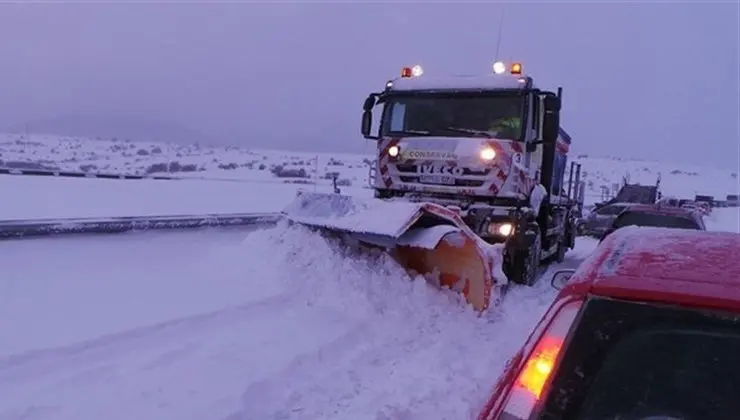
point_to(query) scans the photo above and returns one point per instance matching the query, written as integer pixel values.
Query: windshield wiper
(415, 132)
(470, 131)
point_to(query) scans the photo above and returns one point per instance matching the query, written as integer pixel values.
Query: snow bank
(352, 214)
(335, 275)
(415, 352)
(724, 219)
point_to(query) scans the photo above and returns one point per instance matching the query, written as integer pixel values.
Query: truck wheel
(382, 194)
(573, 230)
(562, 248)
(526, 264)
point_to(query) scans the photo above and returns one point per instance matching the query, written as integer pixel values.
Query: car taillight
(527, 388)
(539, 366)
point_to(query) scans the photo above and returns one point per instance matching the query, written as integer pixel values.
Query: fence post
(316, 173)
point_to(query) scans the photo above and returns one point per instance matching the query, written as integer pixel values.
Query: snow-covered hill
(124, 156)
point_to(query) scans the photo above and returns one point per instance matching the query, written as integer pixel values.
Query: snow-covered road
(218, 324)
(61, 290)
(228, 324)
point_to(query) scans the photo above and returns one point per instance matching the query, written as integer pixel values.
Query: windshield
(609, 210)
(654, 220)
(679, 372)
(643, 361)
(454, 116)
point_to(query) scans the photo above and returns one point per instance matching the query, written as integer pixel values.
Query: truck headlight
(487, 154)
(393, 151)
(501, 229)
(505, 229)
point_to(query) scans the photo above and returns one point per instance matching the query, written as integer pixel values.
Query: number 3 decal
(517, 158)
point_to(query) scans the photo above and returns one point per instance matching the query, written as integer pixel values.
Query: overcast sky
(651, 81)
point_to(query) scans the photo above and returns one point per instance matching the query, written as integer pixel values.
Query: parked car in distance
(704, 207)
(599, 220)
(656, 215)
(700, 206)
(647, 328)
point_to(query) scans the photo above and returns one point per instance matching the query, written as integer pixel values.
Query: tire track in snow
(195, 367)
(42, 360)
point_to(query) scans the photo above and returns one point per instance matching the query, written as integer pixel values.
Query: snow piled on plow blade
(425, 239)
(349, 214)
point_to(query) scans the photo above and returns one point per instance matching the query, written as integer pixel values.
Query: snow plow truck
(468, 181)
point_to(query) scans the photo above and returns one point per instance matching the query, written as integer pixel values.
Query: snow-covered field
(277, 168)
(36, 197)
(226, 324)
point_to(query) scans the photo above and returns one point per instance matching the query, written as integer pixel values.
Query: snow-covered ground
(281, 167)
(226, 324)
(727, 219)
(218, 324)
(41, 197)
(211, 325)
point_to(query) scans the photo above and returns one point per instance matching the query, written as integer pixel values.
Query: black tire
(580, 229)
(382, 194)
(562, 249)
(572, 234)
(526, 264)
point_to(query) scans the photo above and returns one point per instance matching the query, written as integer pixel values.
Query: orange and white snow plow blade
(424, 238)
(456, 262)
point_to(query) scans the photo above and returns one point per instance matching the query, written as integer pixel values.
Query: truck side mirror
(367, 123)
(367, 116)
(552, 103)
(560, 278)
(551, 123)
(370, 102)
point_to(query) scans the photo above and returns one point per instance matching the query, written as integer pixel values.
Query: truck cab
(482, 138)
(490, 147)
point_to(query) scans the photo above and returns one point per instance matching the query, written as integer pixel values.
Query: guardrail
(14, 229)
(73, 174)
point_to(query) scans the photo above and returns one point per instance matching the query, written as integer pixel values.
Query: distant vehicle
(732, 200)
(637, 193)
(656, 216)
(599, 220)
(705, 207)
(702, 206)
(699, 206)
(670, 201)
(650, 329)
(704, 199)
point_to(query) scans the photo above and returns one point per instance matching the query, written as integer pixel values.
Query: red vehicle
(647, 328)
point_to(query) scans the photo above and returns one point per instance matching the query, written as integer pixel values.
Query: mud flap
(425, 239)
